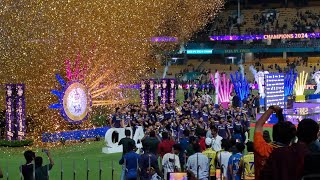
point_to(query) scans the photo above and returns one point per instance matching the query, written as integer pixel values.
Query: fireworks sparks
(37, 37)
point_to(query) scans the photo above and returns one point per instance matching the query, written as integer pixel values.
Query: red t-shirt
(165, 147)
(202, 143)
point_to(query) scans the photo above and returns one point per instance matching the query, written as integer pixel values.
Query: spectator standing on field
(211, 154)
(131, 161)
(198, 164)
(165, 146)
(42, 172)
(125, 143)
(170, 161)
(27, 169)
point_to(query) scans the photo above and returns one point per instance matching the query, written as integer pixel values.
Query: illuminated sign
(266, 36)
(274, 89)
(199, 51)
(164, 39)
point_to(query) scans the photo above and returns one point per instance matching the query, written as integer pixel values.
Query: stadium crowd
(209, 142)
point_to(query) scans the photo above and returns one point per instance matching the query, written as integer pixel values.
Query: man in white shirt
(206, 98)
(198, 164)
(171, 162)
(216, 139)
(223, 157)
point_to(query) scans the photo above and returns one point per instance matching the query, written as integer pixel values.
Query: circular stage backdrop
(76, 102)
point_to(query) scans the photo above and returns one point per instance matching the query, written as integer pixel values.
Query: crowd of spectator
(194, 134)
(213, 147)
(269, 22)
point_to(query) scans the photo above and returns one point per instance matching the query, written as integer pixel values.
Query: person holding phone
(283, 132)
(42, 172)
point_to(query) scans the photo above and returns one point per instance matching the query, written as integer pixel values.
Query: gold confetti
(113, 38)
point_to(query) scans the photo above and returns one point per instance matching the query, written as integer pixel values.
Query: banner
(143, 93)
(164, 91)
(172, 91)
(152, 87)
(10, 129)
(168, 91)
(20, 112)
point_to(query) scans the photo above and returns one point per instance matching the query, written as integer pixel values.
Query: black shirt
(124, 142)
(27, 171)
(42, 172)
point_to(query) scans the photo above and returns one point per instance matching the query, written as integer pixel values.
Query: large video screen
(274, 89)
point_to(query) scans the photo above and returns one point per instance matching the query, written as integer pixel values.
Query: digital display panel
(274, 89)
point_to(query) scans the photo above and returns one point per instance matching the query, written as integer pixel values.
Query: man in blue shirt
(148, 165)
(184, 143)
(234, 162)
(131, 161)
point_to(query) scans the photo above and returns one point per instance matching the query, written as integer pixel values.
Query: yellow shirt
(211, 154)
(247, 162)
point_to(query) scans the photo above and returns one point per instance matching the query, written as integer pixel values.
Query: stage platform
(302, 110)
(310, 103)
(74, 135)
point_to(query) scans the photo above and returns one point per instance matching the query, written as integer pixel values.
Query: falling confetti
(112, 37)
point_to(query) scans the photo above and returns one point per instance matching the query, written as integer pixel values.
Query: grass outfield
(68, 154)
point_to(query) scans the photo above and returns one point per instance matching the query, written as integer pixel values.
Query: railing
(106, 170)
(112, 171)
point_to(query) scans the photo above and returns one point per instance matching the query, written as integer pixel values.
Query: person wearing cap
(211, 154)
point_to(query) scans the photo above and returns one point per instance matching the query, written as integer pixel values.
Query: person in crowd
(222, 128)
(223, 157)
(151, 140)
(115, 122)
(247, 163)
(125, 141)
(42, 172)
(170, 161)
(234, 162)
(166, 144)
(287, 163)
(236, 101)
(148, 165)
(131, 161)
(211, 154)
(190, 149)
(202, 140)
(216, 139)
(184, 144)
(238, 129)
(206, 98)
(28, 168)
(230, 128)
(198, 164)
(256, 105)
(282, 134)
